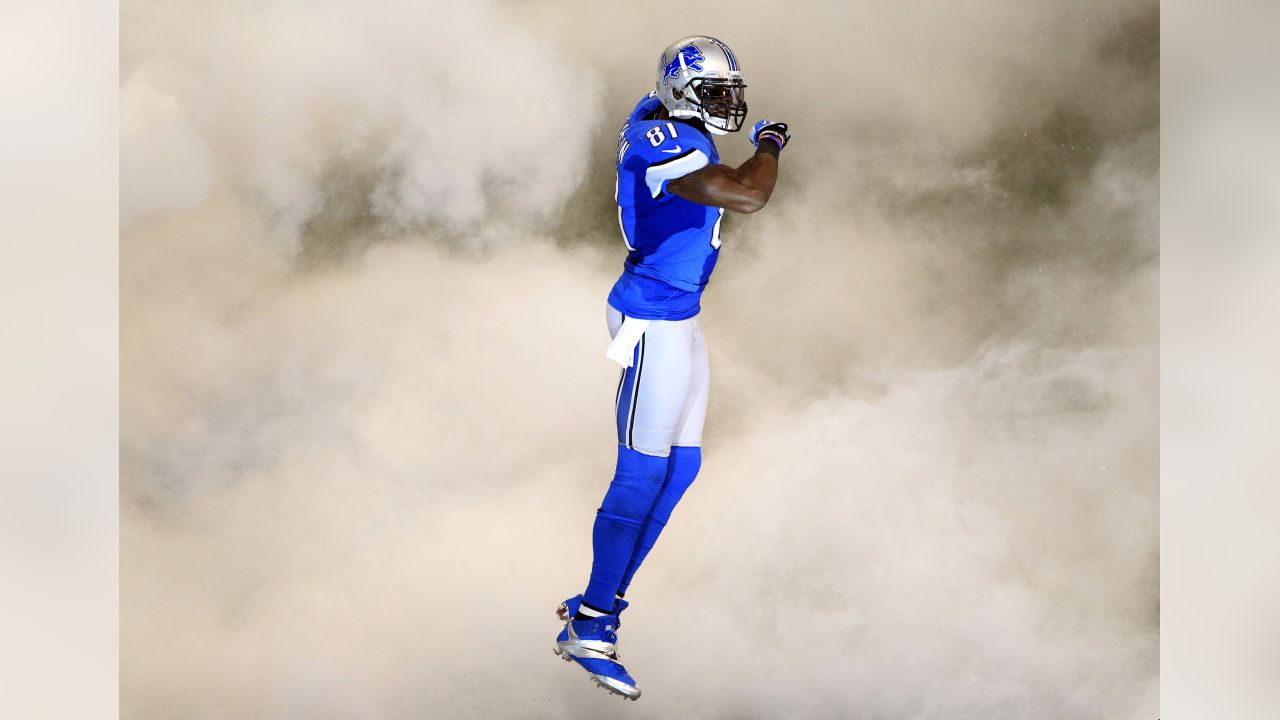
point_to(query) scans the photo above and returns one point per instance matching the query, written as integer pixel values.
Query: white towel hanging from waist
(624, 343)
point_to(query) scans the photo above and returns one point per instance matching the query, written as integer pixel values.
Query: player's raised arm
(743, 189)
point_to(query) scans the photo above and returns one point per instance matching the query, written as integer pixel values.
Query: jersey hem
(641, 315)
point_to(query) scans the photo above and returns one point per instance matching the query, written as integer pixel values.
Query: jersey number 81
(656, 137)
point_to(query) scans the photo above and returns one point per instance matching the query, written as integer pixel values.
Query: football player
(671, 193)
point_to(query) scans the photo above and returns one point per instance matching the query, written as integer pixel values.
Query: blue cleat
(593, 644)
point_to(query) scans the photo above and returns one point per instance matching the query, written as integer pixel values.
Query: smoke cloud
(366, 419)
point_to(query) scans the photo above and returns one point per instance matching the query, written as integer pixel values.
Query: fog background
(366, 417)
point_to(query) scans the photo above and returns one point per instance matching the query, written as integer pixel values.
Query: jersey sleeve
(661, 155)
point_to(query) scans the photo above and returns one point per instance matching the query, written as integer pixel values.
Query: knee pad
(683, 465)
(635, 486)
(682, 468)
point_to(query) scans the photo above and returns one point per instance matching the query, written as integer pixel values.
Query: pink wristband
(771, 135)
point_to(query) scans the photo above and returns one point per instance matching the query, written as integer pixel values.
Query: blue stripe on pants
(628, 394)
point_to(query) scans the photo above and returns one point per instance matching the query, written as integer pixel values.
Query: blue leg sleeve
(682, 468)
(633, 492)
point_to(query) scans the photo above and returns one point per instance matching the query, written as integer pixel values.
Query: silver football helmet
(699, 77)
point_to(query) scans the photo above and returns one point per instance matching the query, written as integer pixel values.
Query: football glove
(770, 130)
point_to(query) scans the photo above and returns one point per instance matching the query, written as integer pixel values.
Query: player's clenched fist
(769, 130)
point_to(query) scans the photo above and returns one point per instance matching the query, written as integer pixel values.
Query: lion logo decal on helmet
(692, 59)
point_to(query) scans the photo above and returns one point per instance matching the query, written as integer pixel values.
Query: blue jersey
(674, 243)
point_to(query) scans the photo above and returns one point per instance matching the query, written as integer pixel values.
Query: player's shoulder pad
(655, 141)
(664, 150)
(648, 105)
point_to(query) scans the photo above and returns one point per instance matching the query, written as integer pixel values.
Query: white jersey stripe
(676, 167)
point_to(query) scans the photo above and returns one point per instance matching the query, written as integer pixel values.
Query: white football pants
(662, 398)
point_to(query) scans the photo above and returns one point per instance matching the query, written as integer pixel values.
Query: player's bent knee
(636, 484)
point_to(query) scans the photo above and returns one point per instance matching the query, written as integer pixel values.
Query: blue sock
(633, 492)
(682, 468)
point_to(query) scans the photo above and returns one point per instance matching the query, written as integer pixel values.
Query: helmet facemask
(721, 103)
